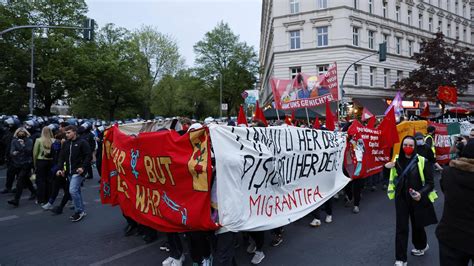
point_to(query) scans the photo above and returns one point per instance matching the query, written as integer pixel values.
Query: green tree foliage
(441, 63)
(220, 54)
(54, 50)
(183, 94)
(110, 73)
(160, 57)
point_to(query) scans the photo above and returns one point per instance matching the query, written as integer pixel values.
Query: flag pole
(278, 114)
(307, 116)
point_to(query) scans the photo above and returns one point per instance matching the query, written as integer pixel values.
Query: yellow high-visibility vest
(393, 175)
(432, 144)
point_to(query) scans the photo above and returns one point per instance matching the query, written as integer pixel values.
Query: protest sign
(442, 143)
(313, 90)
(408, 128)
(366, 151)
(159, 179)
(270, 177)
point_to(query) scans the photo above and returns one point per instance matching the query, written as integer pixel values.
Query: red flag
(293, 116)
(426, 111)
(259, 115)
(288, 121)
(330, 124)
(316, 124)
(448, 94)
(241, 119)
(366, 114)
(389, 129)
(371, 123)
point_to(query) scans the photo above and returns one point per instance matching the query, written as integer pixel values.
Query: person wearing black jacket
(412, 197)
(76, 157)
(455, 231)
(21, 152)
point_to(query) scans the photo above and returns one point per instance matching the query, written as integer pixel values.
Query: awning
(376, 106)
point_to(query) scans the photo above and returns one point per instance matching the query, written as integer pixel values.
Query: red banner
(159, 179)
(365, 150)
(305, 90)
(442, 142)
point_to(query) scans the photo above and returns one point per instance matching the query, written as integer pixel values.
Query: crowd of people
(47, 156)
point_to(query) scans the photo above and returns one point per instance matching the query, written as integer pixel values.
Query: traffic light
(382, 52)
(88, 30)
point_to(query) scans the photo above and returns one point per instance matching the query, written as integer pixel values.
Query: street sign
(224, 107)
(30, 85)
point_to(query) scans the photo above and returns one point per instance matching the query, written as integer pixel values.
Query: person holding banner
(411, 185)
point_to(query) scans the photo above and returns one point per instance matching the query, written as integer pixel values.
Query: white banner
(270, 177)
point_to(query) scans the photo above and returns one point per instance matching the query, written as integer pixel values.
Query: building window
(440, 25)
(384, 8)
(399, 75)
(322, 69)
(456, 7)
(430, 24)
(294, 6)
(386, 40)
(439, 3)
(420, 21)
(372, 76)
(294, 71)
(448, 31)
(322, 4)
(464, 10)
(322, 36)
(356, 4)
(410, 48)
(370, 6)
(386, 77)
(409, 17)
(457, 32)
(448, 5)
(399, 45)
(464, 35)
(371, 39)
(357, 75)
(355, 36)
(397, 13)
(295, 39)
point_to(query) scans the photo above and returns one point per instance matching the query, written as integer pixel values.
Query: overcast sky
(186, 20)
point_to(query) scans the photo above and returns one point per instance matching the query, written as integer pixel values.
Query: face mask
(420, 142)
(408, 150)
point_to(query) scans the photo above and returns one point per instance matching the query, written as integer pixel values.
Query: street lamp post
(88, 34)
(31, 85)
(220, 97)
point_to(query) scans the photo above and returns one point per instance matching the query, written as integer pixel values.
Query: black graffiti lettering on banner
(308, 140)
(263, 171)
(237, 138)
(288, 140)
(330, 139)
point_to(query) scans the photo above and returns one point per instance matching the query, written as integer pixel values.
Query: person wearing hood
(411, 185)
(455, 231)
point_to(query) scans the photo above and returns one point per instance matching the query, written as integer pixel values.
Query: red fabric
(374, 154)
(288, 121)
(293, 116)
(442, 142)
(159, 179)
(388, 126)
(330, 123)
(366, 114)
(372, 121)
(316, 124)
(259, 115)
(242, 119)
(426, 111)
(448, 94)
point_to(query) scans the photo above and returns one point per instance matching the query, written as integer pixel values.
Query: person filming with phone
(411, 185)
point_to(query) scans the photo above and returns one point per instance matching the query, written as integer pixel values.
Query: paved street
(31, 236)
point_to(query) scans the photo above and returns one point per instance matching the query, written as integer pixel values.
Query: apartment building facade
(309, 35)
